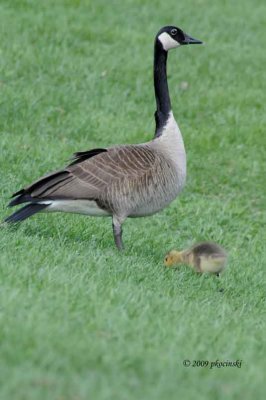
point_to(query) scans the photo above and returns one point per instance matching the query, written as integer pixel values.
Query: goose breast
(154, 181)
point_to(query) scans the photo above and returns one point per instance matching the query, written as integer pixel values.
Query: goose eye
(173, 32)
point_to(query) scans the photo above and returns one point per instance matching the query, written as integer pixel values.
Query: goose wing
(90, 174)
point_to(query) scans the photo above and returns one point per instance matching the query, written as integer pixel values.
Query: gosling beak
(190, 40)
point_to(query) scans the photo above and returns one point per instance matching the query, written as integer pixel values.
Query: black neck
(161, 88)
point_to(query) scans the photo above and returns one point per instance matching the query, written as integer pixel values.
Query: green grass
(78, 320)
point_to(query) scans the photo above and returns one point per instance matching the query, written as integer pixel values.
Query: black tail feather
(25, 212)
(38, 187)
(23, 198)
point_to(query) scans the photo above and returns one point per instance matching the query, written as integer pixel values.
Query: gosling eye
(166, 259)
(173, 32)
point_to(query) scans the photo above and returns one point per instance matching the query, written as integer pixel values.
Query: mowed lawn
(78, 320)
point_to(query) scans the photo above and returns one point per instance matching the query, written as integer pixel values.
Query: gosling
(202, 257)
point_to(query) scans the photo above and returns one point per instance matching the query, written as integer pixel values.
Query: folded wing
(90, 174)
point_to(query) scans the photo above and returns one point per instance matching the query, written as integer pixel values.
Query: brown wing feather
(89, 179)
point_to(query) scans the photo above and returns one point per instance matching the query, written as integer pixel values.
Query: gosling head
(171, 37)
(172, 258)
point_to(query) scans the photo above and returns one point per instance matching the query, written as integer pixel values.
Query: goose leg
(117, 231)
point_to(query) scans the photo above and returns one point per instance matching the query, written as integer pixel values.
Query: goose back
(133, 180)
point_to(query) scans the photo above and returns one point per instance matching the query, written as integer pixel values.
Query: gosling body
(202, 257)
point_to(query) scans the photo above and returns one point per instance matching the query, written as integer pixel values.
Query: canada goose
(120, 181)
(202, 257)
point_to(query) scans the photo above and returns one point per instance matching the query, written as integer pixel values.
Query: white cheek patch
(167, 42)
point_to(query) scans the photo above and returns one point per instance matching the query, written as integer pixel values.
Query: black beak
(190, 40)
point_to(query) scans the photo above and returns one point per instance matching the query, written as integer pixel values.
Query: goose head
(171, 37)
(173, 257)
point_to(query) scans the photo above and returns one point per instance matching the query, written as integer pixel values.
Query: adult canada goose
(120, 181)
